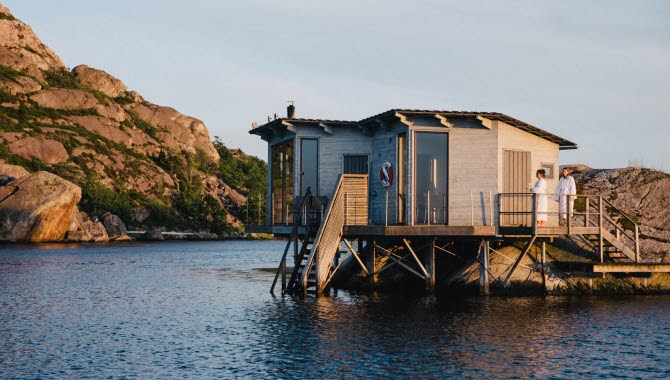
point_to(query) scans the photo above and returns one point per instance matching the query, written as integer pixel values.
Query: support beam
(399, 262)
(484, 264)
(518, 261)
(403, 119)
(355, 254)
(326, 128)
(416, 258)
(444, 121)
(542, 261)
(372, 252)
(430, 265)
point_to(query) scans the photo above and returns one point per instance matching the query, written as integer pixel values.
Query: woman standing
(540, 189)
(565, 195)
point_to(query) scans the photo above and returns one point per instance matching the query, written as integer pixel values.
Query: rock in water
(114, 225)
(37, 208)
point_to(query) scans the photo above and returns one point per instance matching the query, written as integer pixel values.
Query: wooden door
(516, 186)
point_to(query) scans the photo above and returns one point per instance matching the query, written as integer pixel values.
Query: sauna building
(407, 183)
(445, 166)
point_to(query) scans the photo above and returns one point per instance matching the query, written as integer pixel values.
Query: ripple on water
(203, 310)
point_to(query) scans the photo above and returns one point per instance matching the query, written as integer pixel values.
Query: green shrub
(61, 78)
(8, 73)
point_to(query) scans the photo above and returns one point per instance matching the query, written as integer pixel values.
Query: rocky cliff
(148, 163)
(643, 194)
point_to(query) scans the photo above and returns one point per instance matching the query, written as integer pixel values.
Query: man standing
(565, 195)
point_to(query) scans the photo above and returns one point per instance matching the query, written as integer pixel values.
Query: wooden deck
(631, 268)
(437, 230)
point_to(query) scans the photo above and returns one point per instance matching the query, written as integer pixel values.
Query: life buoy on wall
(386, 174)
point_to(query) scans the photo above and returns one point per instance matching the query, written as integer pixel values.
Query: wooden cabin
(407, 183)
(445, 167)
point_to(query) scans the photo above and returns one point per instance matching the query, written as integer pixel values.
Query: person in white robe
(565, 195)
(540, 189)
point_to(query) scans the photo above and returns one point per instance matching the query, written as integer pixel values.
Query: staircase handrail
(336, 201)
(296, 225)
(319, 233)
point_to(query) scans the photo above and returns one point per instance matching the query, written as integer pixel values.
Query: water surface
(202, 310)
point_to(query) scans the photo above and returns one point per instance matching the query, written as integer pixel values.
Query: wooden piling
(370, 263)
(484, 279)
(429, 263)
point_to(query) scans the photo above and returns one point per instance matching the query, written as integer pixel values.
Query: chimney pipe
(290, 110)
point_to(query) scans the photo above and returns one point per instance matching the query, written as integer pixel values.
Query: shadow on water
(203, 310)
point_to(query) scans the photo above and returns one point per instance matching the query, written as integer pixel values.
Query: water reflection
(203, 310)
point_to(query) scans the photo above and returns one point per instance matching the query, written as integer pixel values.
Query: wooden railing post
(588, 205)
(600, 229)
(637, 243)
(500, 209)
(534, 213)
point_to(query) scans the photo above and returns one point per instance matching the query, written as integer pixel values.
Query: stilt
(429, 262)
(542, 261)
(370, 263)
(484, 280)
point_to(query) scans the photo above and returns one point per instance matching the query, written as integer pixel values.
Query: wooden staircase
(616, 242)
(348, 206)
(305, 216)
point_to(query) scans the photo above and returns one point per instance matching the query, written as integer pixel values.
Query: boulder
(12, 170)
(65, 99)
(48, 151)
(114, 225)
(38, 207)
(20, 85)
(89, 230)
(153, 233)
(178, 132)
(99, 80)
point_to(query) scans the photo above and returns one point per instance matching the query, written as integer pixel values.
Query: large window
(309, 166)
(282, 182)
(431, 160)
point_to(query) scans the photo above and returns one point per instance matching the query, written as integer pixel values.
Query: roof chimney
(290, 110)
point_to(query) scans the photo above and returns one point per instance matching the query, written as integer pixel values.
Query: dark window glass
(431, 177)
(309, 166)
(357, 164)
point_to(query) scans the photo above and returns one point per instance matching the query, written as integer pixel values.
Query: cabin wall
(473, 173)
(332, 149)
(385, 148)
(541, 152)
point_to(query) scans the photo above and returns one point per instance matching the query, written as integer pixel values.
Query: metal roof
(283, 122)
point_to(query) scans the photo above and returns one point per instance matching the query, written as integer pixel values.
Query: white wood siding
(541, 151)
(473, 167)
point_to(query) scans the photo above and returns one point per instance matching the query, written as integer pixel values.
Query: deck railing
(520, 210)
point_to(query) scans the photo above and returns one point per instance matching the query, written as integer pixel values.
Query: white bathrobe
(565, 195)
(540, 189)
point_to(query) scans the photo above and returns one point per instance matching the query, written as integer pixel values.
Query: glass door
(431, 177)
(309, 166)
(282, 182)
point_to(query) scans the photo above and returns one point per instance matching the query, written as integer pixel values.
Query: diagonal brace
(383, 252)
(416, 258)
(518, 261)
(355, 254)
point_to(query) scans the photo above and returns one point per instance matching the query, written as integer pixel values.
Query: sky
(596, 73)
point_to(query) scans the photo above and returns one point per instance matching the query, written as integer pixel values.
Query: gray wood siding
(384, 146)
(332, 148)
